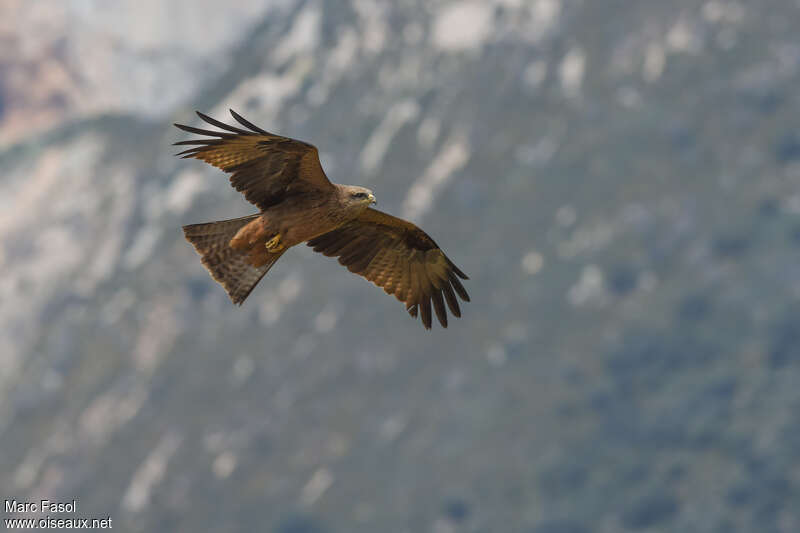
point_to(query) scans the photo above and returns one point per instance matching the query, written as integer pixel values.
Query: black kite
(284, 179)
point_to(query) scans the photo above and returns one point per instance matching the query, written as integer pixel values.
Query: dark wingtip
(425, 312)
(246, 123)
(204, 117)
(222, 125)
(452, 301)
(236, 116)
(438, 307)
(459, 288)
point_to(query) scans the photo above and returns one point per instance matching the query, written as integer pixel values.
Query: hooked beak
(372, 199)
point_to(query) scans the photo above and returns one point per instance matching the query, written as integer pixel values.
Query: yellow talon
(275, 244)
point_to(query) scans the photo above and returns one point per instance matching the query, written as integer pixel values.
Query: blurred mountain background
(621, 181)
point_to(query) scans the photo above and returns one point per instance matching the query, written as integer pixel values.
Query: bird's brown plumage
(284, 179)
(401, 259)
(264, 167)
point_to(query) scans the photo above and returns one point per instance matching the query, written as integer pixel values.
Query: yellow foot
(274, 244)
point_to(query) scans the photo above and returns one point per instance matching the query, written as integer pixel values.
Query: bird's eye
(360, 195)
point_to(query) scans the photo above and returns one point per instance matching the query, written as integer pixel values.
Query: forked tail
(233, 269)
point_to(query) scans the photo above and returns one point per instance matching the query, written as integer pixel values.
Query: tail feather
(229, 267)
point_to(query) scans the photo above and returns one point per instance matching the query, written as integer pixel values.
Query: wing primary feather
(425, 311)
(191, 152)
(421, 293)
(187, 153)
(222, 125)
(452, 301)
(412, 310)
(438, 306)
(459, 287)
(246, 123)
(438, 276)
(200, 131)
(204, 142)
(432, 293)
(457, 270)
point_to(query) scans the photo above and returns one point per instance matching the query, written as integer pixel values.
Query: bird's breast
(301, 223)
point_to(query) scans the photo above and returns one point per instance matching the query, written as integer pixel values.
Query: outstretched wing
(403, 260)
(264, 167)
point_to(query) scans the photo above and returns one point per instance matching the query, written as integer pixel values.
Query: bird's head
(358, 197)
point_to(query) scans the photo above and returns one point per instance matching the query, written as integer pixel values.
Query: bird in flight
(284, 179)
